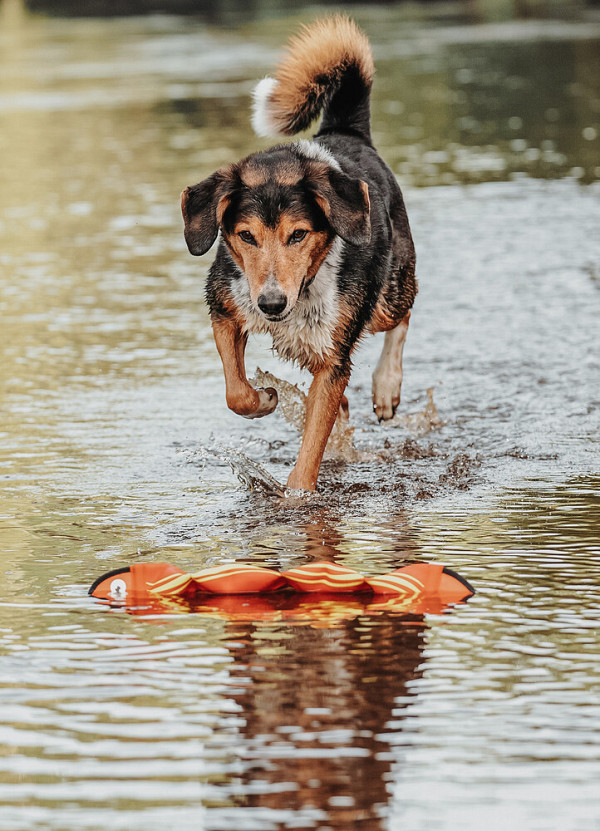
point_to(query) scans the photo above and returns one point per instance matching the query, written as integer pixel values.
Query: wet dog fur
(315, 247)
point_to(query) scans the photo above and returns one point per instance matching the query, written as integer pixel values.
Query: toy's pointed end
(454, 588)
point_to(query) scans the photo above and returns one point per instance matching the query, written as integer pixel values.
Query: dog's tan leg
(387, 378)
(322, 407)
(241, 397)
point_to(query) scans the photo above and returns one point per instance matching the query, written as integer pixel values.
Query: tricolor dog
(315, 247)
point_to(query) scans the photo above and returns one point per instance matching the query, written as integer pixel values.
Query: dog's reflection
(322, 708)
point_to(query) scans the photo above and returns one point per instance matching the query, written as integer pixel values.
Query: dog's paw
(386, 398)
(267, 401)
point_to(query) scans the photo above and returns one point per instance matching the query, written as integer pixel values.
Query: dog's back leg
(344, 411)
(387, 378)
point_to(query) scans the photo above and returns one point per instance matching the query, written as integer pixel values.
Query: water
(110, 386)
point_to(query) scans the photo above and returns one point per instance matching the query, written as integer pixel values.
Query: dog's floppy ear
(345, 203)
(203, 206)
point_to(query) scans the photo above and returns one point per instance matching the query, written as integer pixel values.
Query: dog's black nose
(272, 303)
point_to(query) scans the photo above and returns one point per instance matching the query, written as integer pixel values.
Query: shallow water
(110, 387)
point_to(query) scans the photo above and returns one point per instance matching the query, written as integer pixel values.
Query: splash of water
(250, 473)
(292, 401)
(292, 405)
(423, 421)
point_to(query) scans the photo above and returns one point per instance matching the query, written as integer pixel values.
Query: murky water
(110, 387)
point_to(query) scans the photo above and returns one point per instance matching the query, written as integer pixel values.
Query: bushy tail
(329, 69)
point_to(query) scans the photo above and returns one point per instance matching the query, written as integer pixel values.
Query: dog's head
(278, 212)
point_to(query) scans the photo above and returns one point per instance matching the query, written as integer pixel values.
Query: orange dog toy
(241, 591)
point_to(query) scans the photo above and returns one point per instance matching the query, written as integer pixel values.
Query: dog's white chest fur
(306, 335)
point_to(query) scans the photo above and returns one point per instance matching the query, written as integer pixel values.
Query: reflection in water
(316, 707)
(316, 698)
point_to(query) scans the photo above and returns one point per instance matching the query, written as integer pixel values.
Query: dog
(315, 246)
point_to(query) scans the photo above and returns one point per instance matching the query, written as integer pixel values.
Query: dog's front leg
(241, 397)
(322, 406)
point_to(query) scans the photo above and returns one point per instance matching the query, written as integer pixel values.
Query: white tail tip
(262, 120)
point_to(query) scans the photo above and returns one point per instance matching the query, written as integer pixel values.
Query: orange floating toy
(243, 591)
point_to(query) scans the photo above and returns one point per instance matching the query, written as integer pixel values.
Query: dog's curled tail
(328, 68)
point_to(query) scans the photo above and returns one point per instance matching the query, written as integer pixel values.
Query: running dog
(315, 247)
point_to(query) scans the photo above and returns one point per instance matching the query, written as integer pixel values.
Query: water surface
(110, 387)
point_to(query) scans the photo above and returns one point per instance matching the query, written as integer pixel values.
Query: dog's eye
(246, 236)
(297, 236)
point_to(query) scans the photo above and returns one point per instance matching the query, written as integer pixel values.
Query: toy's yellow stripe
(395, 582)
(407, 579)
(174, 585)
(222, 571)
(316, 575)
(213, 574)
